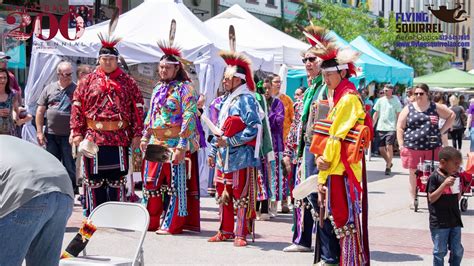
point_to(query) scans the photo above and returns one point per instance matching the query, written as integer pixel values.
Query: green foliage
(440, 63)
(351, 22)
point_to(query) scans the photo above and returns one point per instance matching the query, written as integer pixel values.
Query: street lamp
(465, 57)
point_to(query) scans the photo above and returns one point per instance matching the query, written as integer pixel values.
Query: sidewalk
(398, 235)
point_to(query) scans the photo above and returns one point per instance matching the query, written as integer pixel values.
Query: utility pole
(97, 11)
(282, 12)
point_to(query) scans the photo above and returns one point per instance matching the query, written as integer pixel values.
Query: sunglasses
(419, 93)
(65, 74)
(310, 59)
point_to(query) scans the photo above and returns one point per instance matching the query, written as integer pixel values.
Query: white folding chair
(116, 215)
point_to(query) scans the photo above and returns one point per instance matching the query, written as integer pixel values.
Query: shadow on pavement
(203, 234)
(207, 219)
(468, 213)
(266, 246)
(72, 229)
(384, 256)
(209, 209)
(281, 218)
(376, 192)
(373, 176)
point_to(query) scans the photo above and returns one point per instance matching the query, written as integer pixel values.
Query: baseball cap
(388, 87)
(4, 56)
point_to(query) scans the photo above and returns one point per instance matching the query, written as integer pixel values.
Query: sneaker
(388, 171)
(296, 248)
(284, 206)
(263, 217)
(272, 209)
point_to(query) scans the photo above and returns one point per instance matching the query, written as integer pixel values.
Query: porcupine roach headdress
(327, 50)
(238, 65)
(317, 36)
(344, 58)
(168, 47)
(108, 40)
(324, 47)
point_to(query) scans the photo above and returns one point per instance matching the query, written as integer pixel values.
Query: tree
(351, 22)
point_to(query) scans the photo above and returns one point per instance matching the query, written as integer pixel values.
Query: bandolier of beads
(302, 204)
(346, 230)
(315, 214)
(241, 203)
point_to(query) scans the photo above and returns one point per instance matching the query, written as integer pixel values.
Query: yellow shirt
(289, 114)
(344, 115)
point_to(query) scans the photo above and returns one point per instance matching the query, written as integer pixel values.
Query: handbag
(356, 140)
(88, 148)
(157, 153)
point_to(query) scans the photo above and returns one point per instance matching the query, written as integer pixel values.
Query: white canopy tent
(255, 34)
(140, 28)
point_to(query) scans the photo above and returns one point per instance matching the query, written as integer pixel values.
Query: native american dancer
(233, 153)
(106, 118)
(276, 116)
(170, 126)
(267, 156)
(214, 118)
(339, 181)
(297, 149)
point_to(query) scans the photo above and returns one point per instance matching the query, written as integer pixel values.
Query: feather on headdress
(108, 39)
(317, 36)
(238, 65)
(324, 47)
(168, 47)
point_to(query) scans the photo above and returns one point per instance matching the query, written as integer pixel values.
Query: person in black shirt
(445, 216)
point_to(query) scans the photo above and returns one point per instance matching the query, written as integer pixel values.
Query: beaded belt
(106, 125)
(98, 183)
(238, 203)
(166, 133)
(150, 193)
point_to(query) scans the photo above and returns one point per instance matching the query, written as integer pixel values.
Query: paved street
(398, 235)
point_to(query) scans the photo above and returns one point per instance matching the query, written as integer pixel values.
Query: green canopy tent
(450, 78)
(368, 69)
